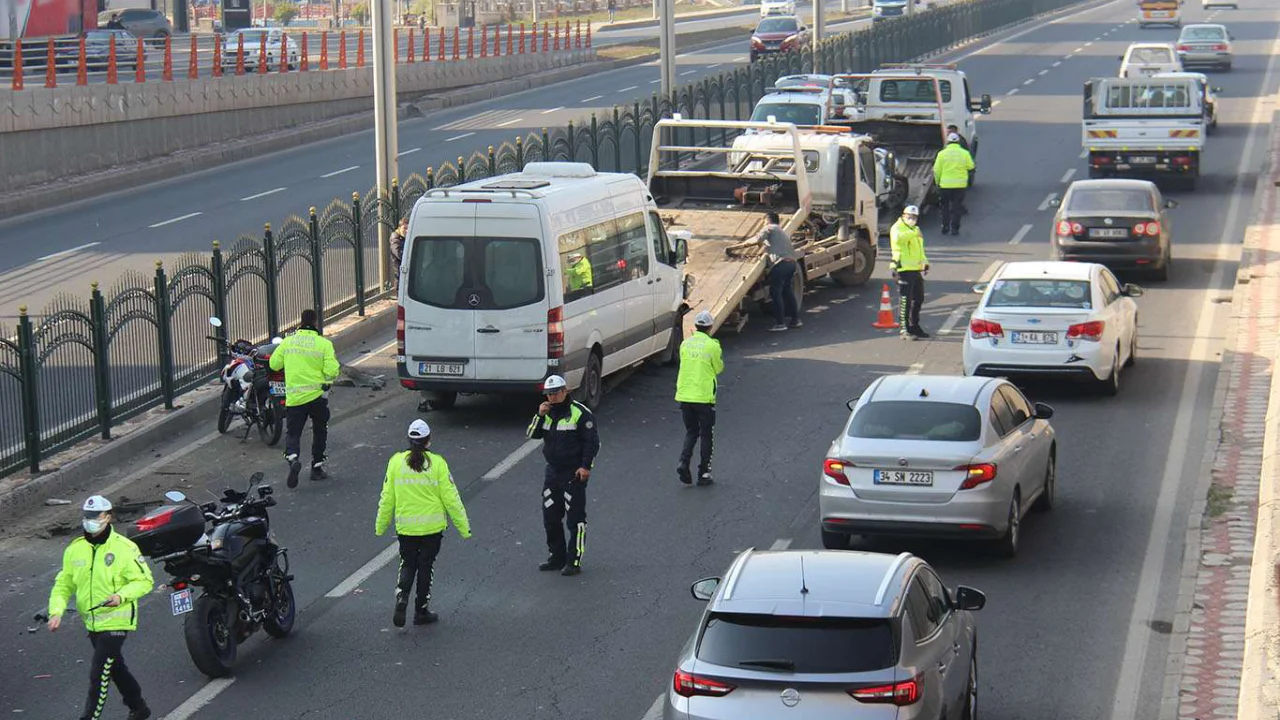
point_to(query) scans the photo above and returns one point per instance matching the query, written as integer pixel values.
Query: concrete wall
(49, 133)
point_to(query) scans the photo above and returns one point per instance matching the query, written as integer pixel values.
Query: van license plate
(441, 368)
(1033, 338)
(903, 477)
(180, 602)
(1142, 160)
(277, 387)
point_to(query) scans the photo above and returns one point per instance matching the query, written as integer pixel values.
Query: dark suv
(829, 634)
(140, 22)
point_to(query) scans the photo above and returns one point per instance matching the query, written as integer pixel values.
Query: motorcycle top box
(168, 529)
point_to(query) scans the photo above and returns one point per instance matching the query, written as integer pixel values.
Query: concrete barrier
(49, 133)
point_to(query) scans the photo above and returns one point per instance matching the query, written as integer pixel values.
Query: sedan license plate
(1142, 160)
(903, 477)
(277, 387)
(1159, 14)
(180, 602)
(1024, 337)
(1109, 232)
(438, 368)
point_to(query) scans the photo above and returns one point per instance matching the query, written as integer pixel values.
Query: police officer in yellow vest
(951, 173)
(417, 493)
(570, 442)
(910, 265)
(579, 274)
(310, 367)
(700, 363)
(107, 575)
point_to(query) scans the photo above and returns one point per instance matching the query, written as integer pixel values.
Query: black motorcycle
(241, 573)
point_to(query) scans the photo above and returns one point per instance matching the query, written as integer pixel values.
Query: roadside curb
(77, 470)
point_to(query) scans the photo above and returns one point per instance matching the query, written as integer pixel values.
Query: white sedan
(1051, 318)
(253, 40)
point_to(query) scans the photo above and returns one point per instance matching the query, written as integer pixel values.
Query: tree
(286, 12)
(360, 13)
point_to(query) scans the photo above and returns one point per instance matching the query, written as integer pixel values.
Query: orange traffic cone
(885, 320)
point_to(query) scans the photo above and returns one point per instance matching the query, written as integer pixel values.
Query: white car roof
(1046, 269)
(783, 97)
(1147, 45)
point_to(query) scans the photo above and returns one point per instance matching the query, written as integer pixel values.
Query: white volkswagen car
(1065, 319)
(777, 7)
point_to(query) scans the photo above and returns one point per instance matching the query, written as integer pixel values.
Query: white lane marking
(170, 221)
(77, 248)
(509, 122)
(1066, 57)
(688, 72)
(554, 109)
(1084, 153)
(714, 66)
(655, 82)
(739, 59)
(1022, 232)
(629, 88)
(364, 573)
(952, 320)
(1088, 43)
(510, 461)
(593, 98)
(915, 369)
(1013, 91)
(410, 151)
(997, 102)
(1056, 63)
(1066, 177)
(1028, 81)
(781, 544)
(459, 137)
(202, 697)
(1044, 72)
(1078, 50)
(1129, 683)
(990, 272)
(262, 194)
(655, 710)
(1044, 204)
(339, 172)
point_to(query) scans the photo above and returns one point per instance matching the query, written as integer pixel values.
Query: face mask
(93, 526)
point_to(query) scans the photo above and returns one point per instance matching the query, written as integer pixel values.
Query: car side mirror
(256, 478)
(984, 104)
(851, 404)
(704, 588)
(215, 321)
(1131, 290)
(968, 598)
(1120, 58)
(1043, 411)
(1055, 202)
(1171, 204)
(682, 250)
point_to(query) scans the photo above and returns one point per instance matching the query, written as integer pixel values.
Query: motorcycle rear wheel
(210, 637)
(271, 423)
(280, 623)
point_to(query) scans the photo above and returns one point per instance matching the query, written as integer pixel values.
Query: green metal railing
(82, 367)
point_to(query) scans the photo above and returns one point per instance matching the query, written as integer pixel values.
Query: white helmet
(553, 383)
(953, 138)
(419, 430)
(96, 505)
(911, 210)
(703, 319)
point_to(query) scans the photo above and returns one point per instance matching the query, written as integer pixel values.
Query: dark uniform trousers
(317, 411)
(107, 667)
(911, 297)
(951, 201)
(699, 423)
(417, 559)
(564, 502)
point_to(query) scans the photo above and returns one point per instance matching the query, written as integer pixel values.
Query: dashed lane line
(459, 137)
(335, 173)
(509, 123)
(1013, 91)
(69, 251)
(511, 460)
(1044, 204)
(593, 98)
(410, 151)
(915, 369)
(262, 194)
(554, 109)
(1022, 233)
(180, 218)
(1066, 177)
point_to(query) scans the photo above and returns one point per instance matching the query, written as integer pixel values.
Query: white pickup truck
(1144, 127)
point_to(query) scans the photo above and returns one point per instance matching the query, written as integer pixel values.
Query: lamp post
(384, 126)
(667, 46)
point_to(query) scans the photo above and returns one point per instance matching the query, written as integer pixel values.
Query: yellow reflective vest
(92, 573)
(580, 277)
(951, 167)
(309, 362)
(700, 362)
(419, 501)
(907, 246)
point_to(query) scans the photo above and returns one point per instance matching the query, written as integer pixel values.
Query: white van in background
(558, 269)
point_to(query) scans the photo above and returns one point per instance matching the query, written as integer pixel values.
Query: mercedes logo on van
(1107, 221)
(902, 462)
(473, 299)
(791, 697)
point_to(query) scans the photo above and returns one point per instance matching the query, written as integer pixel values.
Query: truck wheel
(864, 263)
(592, 388)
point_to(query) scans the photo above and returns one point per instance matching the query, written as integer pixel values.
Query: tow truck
(715, 199)
(1145, 127)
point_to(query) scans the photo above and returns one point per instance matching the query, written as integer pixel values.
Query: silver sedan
(1205, 45)
(933, 455)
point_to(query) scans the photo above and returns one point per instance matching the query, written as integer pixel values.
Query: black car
(97, 51)
(1122, 224)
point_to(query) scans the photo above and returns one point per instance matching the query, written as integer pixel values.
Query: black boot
(295, 467)
(552, 563)
(704, 478)
(685, 476)
(142, 713)
(573, 568)
(920, 333)
(422, 615)
(318, 472)
(402, 606)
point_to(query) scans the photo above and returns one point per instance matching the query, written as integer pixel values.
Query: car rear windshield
(911, 420)
(1152, 56)
(1203, 33)
(913, 91)
(801, 645)
(1090, 200)
(794, 113)
(1039, 294)
(475, 273)
(775, 25)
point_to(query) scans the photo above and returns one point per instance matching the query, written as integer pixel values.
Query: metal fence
(83, 366)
